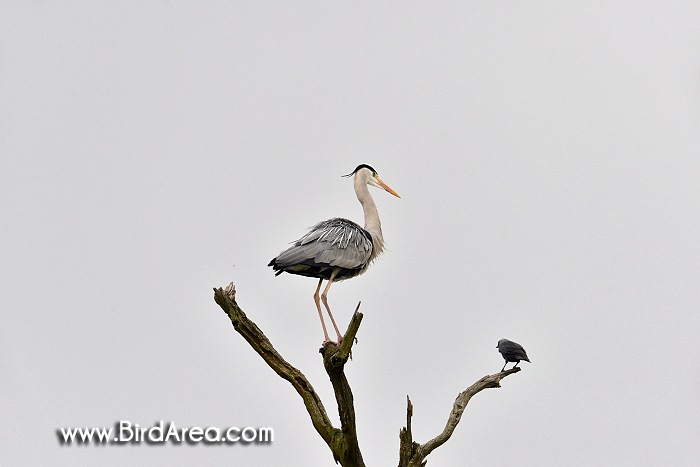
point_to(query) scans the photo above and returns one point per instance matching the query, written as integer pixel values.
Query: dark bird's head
(504, 345)
(368, 175)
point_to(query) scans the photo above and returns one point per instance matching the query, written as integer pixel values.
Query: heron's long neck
(372, 223)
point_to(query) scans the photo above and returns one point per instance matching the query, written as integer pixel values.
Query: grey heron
(512, 352)
(338, 249)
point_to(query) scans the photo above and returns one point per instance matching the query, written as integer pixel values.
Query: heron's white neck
(372, 223)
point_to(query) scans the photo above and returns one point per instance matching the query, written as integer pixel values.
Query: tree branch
(342, 442)
(407, 447)
(419, 453)
(334, 359)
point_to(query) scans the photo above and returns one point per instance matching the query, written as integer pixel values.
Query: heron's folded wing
(336, 242)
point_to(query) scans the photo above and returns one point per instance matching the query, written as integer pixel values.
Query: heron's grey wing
(336, 243)
(339, 243)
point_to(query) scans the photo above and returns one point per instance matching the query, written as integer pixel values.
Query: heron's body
(334, 245)
(511, 352)
(338, 248)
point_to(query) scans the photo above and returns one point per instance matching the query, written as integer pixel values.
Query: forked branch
(412, 454)
(342, 441)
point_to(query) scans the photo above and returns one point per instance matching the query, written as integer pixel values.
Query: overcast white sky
(548, 159)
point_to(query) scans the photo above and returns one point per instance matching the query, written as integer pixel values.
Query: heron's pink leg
(320, 315)
(325, 302)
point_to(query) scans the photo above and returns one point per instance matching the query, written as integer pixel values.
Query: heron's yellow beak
(387, 187)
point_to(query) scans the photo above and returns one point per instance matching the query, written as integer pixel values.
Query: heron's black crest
(361, 166)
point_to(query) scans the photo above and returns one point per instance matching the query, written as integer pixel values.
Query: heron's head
(370, 176)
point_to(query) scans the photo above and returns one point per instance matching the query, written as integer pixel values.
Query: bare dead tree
(343, 441)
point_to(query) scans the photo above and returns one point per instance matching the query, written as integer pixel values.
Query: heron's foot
(340, 339)
(337, 343)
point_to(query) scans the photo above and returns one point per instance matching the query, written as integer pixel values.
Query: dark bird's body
(338, 249)
(511, 352)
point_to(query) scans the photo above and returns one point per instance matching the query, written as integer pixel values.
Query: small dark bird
(512, 352)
